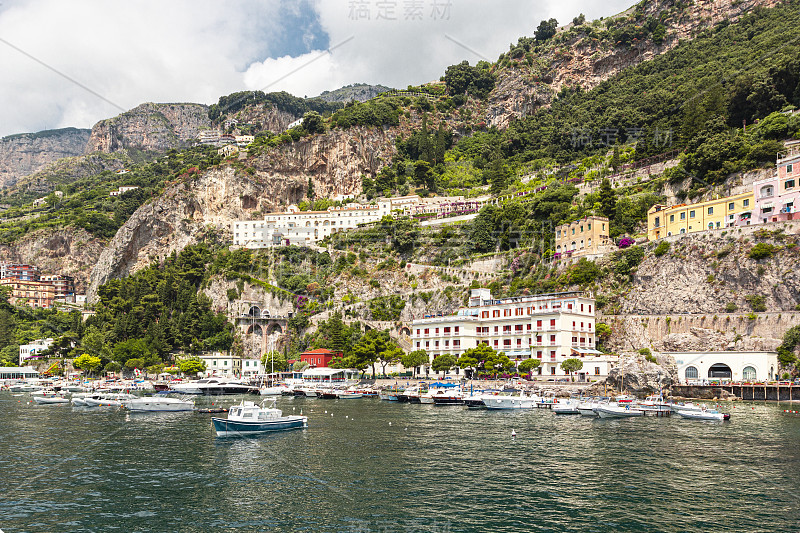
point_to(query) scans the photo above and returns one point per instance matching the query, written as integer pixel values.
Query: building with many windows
(30, 293)
(63, 286)
(549, 327)
(731, 211)
(222, 364)
(586, 237)
(19, 271)
(778, 197)
(34, 349)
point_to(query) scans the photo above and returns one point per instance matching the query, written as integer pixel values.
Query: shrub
(731, 307)
(760, 251)
(625, 242)
(661, 249)
(757, 303)
(645, 352)
(651, 358)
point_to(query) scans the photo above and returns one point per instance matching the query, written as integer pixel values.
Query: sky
(74, 63)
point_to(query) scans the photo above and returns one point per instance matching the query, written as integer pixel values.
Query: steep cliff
(578, 58)
(24, 154)
(150, 127)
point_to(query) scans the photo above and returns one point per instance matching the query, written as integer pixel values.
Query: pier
(775, 392)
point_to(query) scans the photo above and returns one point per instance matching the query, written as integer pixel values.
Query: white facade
(122, 190)
(304, 227)
(28, 351)
(221, 364)
(550, 327)
(699, 367)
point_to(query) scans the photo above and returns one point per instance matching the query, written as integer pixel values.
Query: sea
(366, 465)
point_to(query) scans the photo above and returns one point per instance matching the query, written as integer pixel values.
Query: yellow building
(731, 211)
(587, 236)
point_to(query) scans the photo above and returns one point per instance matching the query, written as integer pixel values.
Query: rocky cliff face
(586, 62)
(21, 155)
(635, 375)
(334, 162)
(150, 127)
(264, 117)
(70, 251)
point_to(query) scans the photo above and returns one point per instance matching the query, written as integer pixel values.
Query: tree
(274, 361)
(546, 29)
(192, 365)
(497, 176)
(443, 363)
(467, 364)
(135, 362)
(499, 362)
(608, 199)
(392, 354)
(299, 366)
(87, 363)
(112, 367)
(313, 123)
(528, 365)
(573, 364)
(415, 359)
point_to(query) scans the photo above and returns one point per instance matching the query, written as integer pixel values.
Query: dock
(745, 391)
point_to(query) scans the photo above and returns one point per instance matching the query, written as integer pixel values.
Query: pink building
(778, 198)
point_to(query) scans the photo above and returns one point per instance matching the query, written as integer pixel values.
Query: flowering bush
(625, 242)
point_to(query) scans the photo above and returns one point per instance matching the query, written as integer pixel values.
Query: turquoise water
(386, 467)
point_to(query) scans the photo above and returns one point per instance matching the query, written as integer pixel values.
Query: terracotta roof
(320, 351)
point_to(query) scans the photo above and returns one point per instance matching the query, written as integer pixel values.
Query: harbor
(398, 466)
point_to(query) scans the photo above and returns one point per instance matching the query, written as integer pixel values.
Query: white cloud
(198, 50)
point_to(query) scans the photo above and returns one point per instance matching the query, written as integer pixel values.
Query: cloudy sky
(74, 63)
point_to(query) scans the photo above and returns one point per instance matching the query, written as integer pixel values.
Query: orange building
(30, 293)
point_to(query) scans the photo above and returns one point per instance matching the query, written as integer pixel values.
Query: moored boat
(158, 403)
(704, 414)
(50, 400)
(248, 418)
(566, 407)
(614, 410)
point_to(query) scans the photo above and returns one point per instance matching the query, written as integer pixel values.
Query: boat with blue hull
(248, 418)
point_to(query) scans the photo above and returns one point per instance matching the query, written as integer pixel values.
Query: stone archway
(720, 371)
(254, 311)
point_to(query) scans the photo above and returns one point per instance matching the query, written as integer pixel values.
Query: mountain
(360, 92)
(26, 153)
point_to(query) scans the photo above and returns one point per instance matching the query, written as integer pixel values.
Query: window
(553, 339)
(788, 169)
(683, 230)
(691, 214)
(552, 322)
(749, 373)
(581, 229)
(766, 191)
(710, 210)
(658, 221)
(417, 344)
(788, 184)
(553, 371)
(746, 203)
(495, 313)
(539, 354)
(436, 344)
(588, 227)
(457, 328)
(597, 371)
(691, 372)
(731, 206)
(672, 218)
(437, 331)
(683, 215)
(604, 227)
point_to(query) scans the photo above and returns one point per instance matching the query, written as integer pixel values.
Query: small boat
(510, 401)
(588, 407)
(271, 391)
(79, 400)
(567, 407)
(48, 400)
(614, 410)
(107, 400)
(158, 403)
(705, 414)
(624, 398)
(248, 418)
(349, 395)
(688, 406)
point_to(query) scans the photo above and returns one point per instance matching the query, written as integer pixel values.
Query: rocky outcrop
(24, 154)
(635, 375)
(262, 117)
(584, 61)
(150, 127)
(69, 251)
(70, 169)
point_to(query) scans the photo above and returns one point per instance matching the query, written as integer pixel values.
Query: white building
(699, 367)
(304, 227)
(122, 190)
(222, 364)
(243, 140)
(549, 327)
(30, 351)
(294, 124)
(208, 137)
(229, 150)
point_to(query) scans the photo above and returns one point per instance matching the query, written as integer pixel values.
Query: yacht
(248, 418)
(107, 400)
(214, 387)
(158, 403)
(49, 396)
(588, 407)
(510, 401)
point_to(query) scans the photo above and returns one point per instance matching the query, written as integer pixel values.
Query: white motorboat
(588, 407)
(272, 391)
(688, 406)
(49, 400)
(505, 401)
(108, 400)
(704, 414)
(566, 407)
(79, 400)
(158, 403)
(247, 418)
(614, 410)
